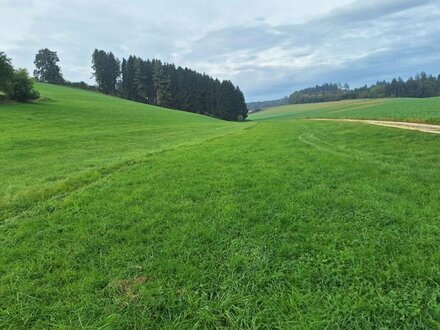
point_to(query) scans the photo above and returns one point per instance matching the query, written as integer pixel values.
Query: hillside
(121, 215)
(404, 109)
(72, 137)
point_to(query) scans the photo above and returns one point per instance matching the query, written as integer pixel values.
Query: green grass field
(412, 110)
(119, 215)
(74, 137)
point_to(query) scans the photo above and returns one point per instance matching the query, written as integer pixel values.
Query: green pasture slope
(73, 137)
(118, 215)
(412, 110)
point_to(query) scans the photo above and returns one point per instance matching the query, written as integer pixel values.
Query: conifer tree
(106, 69)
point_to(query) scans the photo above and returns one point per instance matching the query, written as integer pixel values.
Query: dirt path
(397, 124)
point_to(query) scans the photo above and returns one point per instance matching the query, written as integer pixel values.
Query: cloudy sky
(269, 48)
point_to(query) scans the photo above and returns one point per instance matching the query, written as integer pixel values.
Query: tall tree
(140, 81)
(127, 67)
(6, 72)
(241, 111)
(162, 84)
(47, 69)
(107, 70)
(227, 101)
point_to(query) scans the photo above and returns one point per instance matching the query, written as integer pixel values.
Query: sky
(268, 48)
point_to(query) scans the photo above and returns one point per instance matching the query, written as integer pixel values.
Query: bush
(22, 87)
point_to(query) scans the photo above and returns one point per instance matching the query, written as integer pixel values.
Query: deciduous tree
(47, 69)
(6, 72)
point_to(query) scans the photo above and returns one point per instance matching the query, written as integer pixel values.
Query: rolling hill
(401, 109)
(73, 136)
(121, 215)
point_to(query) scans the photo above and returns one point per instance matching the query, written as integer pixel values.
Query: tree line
(260, 105)
(165, 85)
(146, 81)
(420, 86)
(15, 84)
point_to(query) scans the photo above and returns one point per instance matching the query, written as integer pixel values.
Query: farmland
(404, 109)
(121, 215)
(58, 144)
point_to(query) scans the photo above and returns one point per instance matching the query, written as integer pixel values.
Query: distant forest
(256, 106)
(163, 84)
(420, 86)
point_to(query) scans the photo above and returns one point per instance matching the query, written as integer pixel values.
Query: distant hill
(256, 106)
(420, 86)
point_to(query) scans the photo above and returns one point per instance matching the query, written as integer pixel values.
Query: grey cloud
(357, 42)
(372, 10)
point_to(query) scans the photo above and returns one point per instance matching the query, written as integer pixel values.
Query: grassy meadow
(405, 109)
(119, 215)
(73, 137)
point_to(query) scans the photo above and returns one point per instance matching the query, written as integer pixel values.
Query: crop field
(119, 215)
(411, 110)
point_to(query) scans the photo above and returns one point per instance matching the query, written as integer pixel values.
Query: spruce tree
(107, 70)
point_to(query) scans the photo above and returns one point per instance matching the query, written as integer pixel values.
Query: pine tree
(106, 70)
(241, 106)
(226, 104)
(162, 84)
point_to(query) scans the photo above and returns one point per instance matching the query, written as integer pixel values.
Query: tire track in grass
(427, 128)
(345, 152)
(41, 201)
